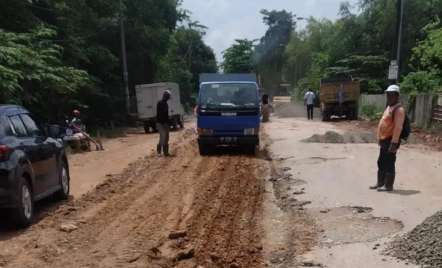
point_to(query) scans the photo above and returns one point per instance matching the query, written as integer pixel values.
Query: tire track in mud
(125, 221)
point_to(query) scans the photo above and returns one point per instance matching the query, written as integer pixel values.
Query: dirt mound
(334, 137)
(423, 245)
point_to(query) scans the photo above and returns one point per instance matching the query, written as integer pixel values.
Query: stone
(69, 227)
(177, 234)
(185, 254)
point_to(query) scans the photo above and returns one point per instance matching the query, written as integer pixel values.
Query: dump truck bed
(329, 92)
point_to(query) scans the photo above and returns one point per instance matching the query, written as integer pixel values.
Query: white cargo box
(148, 95)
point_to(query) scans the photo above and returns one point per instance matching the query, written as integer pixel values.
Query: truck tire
(146, 127)
(356, 114)
(204, 150)
(324, 116)
(265, 113)
(181, 123)
(175, 123)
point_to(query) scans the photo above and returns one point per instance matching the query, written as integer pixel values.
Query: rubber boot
(389, 181)
(159, 150)
(166, 150)
(381, 180)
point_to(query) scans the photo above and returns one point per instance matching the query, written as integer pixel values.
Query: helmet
(393, 88)
(76, 112)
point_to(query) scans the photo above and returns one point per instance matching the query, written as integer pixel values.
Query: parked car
(33, 164)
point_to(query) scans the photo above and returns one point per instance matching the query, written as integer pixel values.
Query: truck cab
(228, 111)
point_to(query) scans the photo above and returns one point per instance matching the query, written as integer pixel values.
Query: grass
(369, 111)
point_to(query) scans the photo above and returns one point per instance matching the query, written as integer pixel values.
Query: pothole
(334, 137)
(348, 225)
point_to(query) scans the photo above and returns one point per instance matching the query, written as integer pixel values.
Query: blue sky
(237, 19)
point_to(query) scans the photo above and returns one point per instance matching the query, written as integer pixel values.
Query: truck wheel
(181, 123)
(175, 123)
(356, 114)
(146, 127)
(324, 115)
(203, 150)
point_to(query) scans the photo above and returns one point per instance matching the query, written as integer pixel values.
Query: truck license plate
(228, 139)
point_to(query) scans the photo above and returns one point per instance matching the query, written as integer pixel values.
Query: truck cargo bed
(329, 93)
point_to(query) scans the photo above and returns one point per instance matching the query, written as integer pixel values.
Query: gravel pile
(423, 245)
(334, 137)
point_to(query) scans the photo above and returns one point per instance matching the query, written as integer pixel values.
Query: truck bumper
(230, 141)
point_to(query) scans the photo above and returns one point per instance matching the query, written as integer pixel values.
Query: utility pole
(123, 59)
(397, 45)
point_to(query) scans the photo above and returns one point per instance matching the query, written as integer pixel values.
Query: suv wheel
(24, 210)
(63, 193)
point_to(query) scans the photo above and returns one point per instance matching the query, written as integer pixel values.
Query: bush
(369, 111)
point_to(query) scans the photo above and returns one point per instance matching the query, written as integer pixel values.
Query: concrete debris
(334, 137)
(177, 234)
(185, 254)
(423, 245)
(69, 227)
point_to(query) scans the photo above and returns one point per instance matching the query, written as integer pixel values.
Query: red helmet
(76, 112)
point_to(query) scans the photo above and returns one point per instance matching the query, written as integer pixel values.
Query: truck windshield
(225, 95)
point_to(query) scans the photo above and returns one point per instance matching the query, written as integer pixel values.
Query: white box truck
(147, 97)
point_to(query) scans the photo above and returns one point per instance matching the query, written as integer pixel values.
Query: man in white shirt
(309, 98)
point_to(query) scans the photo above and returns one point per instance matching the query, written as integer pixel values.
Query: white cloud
(237, 19)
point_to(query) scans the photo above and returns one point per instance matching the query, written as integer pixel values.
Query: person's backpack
(406, 128)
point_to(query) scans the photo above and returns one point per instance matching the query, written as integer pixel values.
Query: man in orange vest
(389, 132)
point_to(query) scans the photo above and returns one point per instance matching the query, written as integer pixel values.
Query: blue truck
(228, 111)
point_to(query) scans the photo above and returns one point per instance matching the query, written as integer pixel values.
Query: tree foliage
(238, 57)
(361, 46)
(64, 54)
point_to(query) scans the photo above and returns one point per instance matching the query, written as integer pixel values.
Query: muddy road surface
(182, 211)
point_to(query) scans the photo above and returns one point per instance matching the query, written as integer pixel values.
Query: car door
(47, 149)
(32, 149)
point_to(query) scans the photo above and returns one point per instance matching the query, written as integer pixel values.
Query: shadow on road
(41, 210)
(405, 192)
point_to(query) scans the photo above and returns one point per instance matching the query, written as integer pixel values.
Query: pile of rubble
(423, 245)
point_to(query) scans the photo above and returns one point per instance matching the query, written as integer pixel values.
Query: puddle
(347, 225)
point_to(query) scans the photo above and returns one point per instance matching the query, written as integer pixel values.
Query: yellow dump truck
(339, 97)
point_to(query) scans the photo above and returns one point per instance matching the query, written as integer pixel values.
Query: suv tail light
(4, 153)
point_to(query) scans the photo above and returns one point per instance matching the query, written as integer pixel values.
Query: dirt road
(90, 169)
(356, 224)
(183, 211)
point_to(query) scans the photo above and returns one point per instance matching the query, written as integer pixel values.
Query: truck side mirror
(265, 99)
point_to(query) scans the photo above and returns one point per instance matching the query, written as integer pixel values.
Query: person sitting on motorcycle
(76, 122)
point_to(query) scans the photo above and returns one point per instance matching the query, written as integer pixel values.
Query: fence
(421, 113)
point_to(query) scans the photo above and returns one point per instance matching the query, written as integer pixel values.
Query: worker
(163, 123)
(309, 97)
(389, 132)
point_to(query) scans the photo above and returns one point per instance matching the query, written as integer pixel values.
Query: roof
(248, 77)
(10, 108)
(155, 85)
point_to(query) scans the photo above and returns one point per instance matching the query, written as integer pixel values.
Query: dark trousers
(310, 111)
(386, 160)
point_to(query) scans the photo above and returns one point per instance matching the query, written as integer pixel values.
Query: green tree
(238, 57)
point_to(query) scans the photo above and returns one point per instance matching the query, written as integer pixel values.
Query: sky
(228, 20)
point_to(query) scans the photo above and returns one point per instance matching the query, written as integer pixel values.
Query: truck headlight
(205, 131)
(251, 131)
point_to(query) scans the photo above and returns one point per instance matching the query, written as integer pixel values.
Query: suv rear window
(18, 125)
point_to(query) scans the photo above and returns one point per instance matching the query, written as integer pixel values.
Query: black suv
(33, 165)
